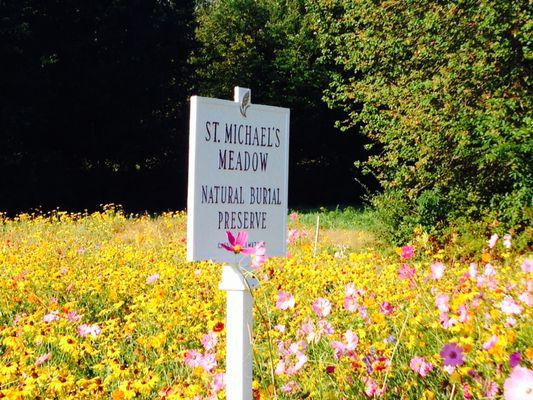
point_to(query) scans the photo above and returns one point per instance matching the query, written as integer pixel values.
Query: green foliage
(94, 102)
(466, 238)
(270, 46)
(443, 91)
(339, 218)
(266, 45)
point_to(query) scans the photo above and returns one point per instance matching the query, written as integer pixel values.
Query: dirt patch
(353, 239)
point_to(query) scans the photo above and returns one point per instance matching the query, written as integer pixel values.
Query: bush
(443, 91)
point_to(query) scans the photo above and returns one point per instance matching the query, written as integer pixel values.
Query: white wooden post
(239, 316)
(239, 328)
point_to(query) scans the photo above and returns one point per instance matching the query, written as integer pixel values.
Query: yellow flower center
(237, 249)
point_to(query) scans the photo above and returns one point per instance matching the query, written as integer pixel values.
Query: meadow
(104, 305)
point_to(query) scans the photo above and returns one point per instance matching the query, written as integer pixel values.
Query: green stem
(269, 323)
(396, 347)
(453, 392)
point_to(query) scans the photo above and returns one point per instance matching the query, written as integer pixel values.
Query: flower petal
(231, 238)
(248, 250)
(242, 238)
(228, 248)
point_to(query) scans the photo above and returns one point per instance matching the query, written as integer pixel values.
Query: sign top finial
(243, 96)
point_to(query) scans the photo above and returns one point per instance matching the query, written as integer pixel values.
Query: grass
(345, 218)
(344, 228)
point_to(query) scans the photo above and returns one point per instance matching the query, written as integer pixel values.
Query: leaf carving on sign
(245, 103)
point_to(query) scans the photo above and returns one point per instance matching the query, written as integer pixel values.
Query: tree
(94, 102)
(271, 47)
(443, 90)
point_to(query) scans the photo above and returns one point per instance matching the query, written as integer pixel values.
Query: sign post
(239, 328)
(238, 181)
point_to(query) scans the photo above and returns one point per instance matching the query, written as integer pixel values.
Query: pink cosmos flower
(192, 358)
(280, 328)
(351, 295)
(467, 394)
(152, 279)
(464, 316)
(285, 300)
(42, 359)
(259, 255)
(489, 344)
(519, 385)
(487, 281)
(293, 216)
(406, 272)
(307, 329)
(489, 270)
(238, 245)
(85, 330)
(351, 290)
(209, 341)
(293, 236)
(452, 355)
(371, 388)
(514, 359)
(472, 270)
(350, 303)
(492, 241)
(219, 381)
(491, 390)
(290, 387)
(408, 252)
(526, 298)
(73, 316)
(509, 306)
(446, 321)
(449, 369)
(208, 362)
(442, 302)
(321, 307)
(420, 366)
(527, 266)
(341, 348)
(510, 322)
(437, 270)
(338, 349)
(386, 308)
(325, 328)
(351, 340)
(293, 358)
(507, 240)
(314, 333)
(51, 317)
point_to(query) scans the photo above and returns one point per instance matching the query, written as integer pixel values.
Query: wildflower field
(105, 306)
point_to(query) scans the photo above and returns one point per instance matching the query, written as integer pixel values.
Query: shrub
(443, 91)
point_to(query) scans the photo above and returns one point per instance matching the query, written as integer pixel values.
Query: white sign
(238, 175)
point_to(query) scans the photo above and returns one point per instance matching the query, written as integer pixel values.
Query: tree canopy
(434, 98)
(443, 90)
(93, 102)
(270, 46)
